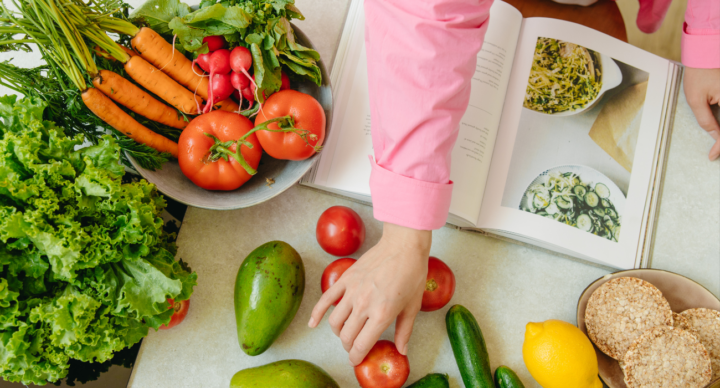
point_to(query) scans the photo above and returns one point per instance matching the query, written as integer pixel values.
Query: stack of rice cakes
(629, 320)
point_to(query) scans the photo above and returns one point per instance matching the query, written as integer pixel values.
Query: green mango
(284, 374)
(268, 290)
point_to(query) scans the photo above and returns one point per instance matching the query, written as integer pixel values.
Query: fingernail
(714, 155)
(351, 364)
(404, 350)
(311, 323)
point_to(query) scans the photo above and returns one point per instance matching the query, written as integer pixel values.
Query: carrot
(110, 113)
(109, 56)
(227, 104)
(156, 50)
(132, 97)
(162, 85)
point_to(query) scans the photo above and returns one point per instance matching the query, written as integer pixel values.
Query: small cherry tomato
(383, 367)
(440, 285)
(181, 310)
(340, 231)
(333, 272)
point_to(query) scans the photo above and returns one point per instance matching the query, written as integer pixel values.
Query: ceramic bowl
(171, 181)
(682, 294)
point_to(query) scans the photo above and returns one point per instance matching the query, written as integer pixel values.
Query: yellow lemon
(559, 355)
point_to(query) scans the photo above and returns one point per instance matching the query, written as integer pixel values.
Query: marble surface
(503, 284)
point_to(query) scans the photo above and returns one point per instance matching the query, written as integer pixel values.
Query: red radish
(239, 80)
(236, 94)
(219, 63)
(240, 60)
(214, 42)
(204, 61)
(285, 82)
(249, 93)
(221, 87)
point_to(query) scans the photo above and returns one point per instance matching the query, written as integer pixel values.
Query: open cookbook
(562, 145)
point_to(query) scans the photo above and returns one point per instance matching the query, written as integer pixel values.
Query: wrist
(409, 238)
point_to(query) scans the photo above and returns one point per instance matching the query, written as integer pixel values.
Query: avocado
(284, 374)
(268, 290)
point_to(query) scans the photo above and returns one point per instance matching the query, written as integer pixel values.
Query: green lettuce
(86, 266)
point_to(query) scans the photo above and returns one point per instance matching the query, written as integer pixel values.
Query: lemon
(559, 355)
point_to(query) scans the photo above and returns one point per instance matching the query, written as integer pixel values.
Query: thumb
(404, 327)
(705, 117)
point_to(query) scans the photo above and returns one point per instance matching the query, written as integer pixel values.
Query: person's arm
(701, 56)
(421, 57)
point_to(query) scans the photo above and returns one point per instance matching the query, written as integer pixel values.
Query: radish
(214, 42)
(219, 64)
(241, 60)
(221, 87)
(239, 81)
(285, 82)
(249, 93)
(204, 61)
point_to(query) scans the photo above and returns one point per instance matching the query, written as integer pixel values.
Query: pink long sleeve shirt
(421, 57)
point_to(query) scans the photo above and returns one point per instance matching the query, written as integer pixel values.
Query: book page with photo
(577, 142)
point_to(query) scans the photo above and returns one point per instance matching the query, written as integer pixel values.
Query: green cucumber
(591, 199)
(433, 380)
(506, 378)
(602, 191)
(468, 346)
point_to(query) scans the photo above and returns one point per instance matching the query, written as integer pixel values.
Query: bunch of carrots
(63, 32)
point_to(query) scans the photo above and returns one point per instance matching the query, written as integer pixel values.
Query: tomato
(440, 285)
(181, 310)
(333, 272)
(340, 231)
(291, 109)
(383, 367)
(213, 163)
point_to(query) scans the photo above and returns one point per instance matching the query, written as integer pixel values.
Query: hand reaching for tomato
(386, 283)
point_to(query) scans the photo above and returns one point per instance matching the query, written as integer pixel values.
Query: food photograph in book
(573, 154)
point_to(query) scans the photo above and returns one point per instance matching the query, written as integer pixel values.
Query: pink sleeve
(421, 57)
(701, 34)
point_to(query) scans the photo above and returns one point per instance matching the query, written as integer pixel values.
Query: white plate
(611, 78)
(587, 175)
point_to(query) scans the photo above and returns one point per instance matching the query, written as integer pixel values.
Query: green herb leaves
(85, 264)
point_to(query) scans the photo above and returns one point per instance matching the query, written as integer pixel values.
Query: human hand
(386, 282)
(702, 89)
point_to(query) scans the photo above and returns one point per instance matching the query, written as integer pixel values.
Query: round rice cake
(705, 324)
(681, 322)
(667, 357)
(621, 310)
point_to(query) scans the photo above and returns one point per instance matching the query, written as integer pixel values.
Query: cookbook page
(577, 142)
(345, 166)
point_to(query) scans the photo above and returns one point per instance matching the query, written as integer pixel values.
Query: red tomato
(340, 231)
(181, 310)
(202, 158)
(291, 109)
(383, 367)
(440, 285)
(333, 272)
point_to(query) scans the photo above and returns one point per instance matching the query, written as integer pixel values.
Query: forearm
(421, 57)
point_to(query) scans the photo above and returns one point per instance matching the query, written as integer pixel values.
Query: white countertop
(503, 284)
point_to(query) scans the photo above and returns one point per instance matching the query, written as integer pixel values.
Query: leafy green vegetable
(158, 13)
(85, 264)
(263, 26)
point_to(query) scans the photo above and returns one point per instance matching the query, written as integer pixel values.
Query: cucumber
(591, 199)
(564, 202)
(506, 378)
(468, 346)
(602, 190)
(580, 191)
(599, 212)
(433, 380)
(584, 222)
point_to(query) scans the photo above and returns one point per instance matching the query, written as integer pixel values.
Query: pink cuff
(408, 202)
(701, 48)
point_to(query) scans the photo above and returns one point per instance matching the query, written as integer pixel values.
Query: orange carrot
(156, 50)
(132, 97)
(162, 85)
(107, 55)
(110, 113)
(228, 105)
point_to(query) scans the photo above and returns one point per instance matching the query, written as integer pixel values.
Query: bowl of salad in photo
(578, 196)
(567, 79)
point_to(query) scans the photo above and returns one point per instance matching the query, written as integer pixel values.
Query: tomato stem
(221, 149)
(286, 124)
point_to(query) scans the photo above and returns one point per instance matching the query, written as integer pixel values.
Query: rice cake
(705, 324)
(681, 322)
(667, 357)
(621, 310)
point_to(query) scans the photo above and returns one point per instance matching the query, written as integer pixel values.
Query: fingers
(326, 300)
(404, 327)
(340, 315)
(367, 338)
(704, 116)
(352, 328)
(715, 150)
